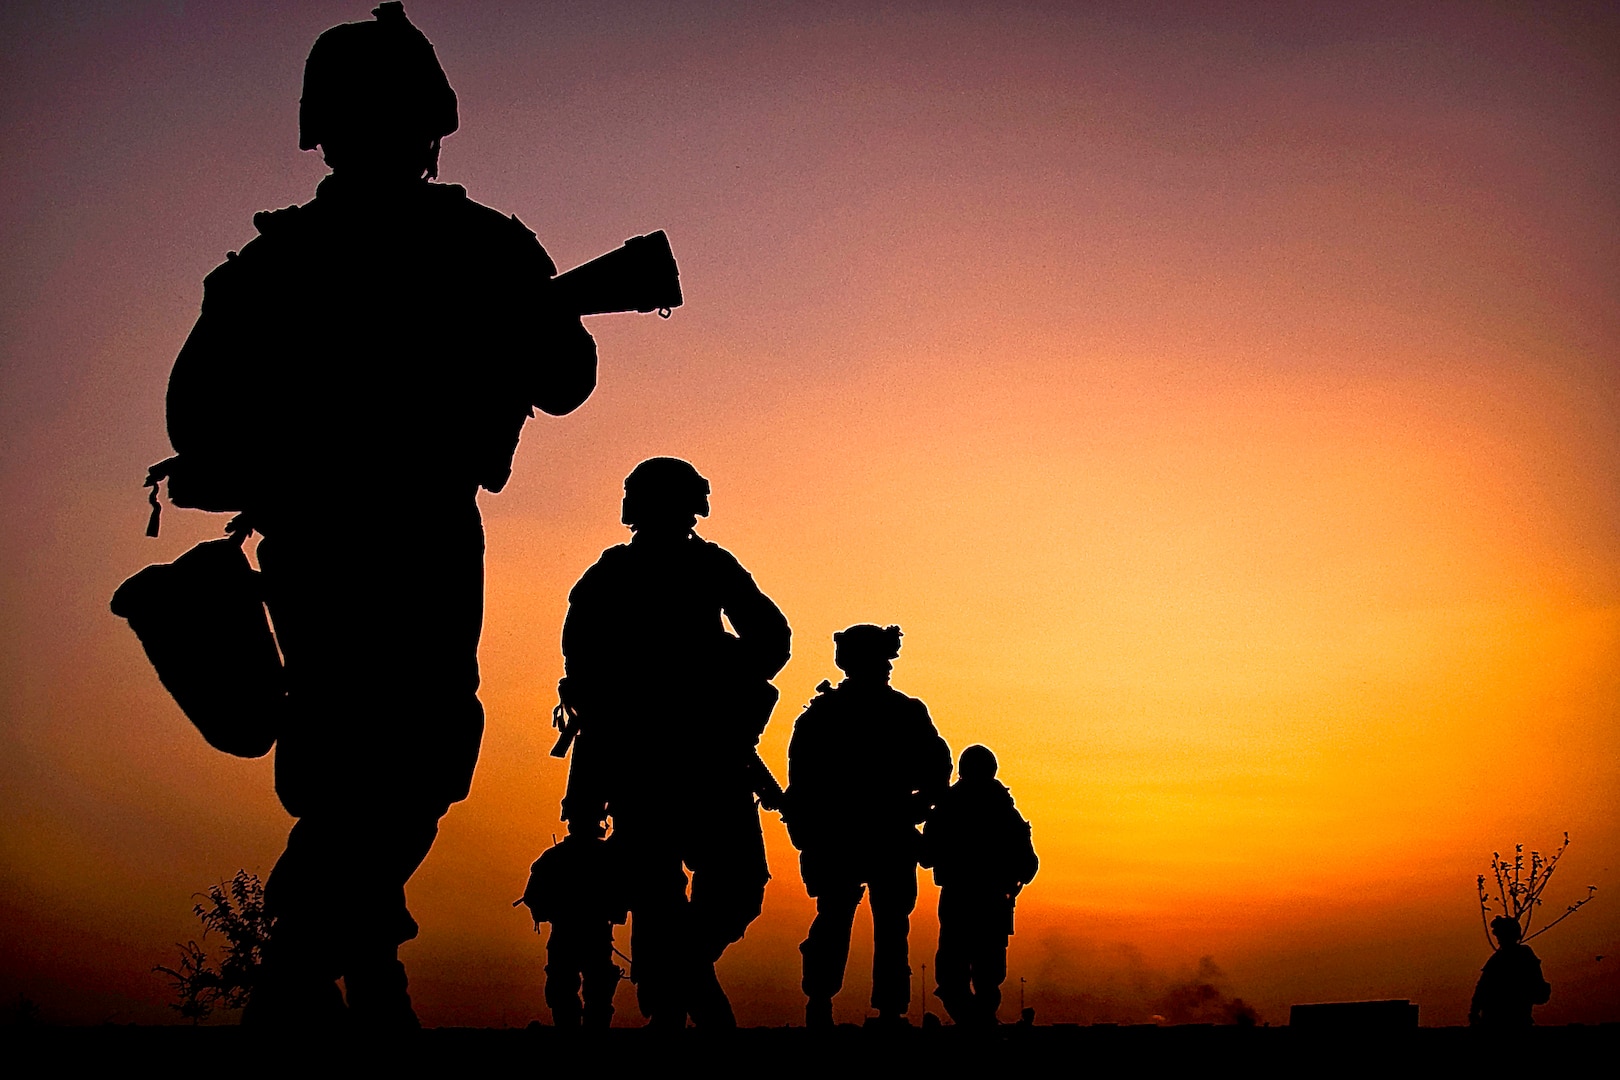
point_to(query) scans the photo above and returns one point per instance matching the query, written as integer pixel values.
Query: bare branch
(1520, 894)
(1591, 890)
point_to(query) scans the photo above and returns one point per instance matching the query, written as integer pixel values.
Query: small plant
(235, 911)
(1519, 893)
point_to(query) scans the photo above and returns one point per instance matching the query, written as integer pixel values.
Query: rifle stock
(639, 276)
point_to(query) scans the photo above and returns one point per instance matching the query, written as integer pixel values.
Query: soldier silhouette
(668, 708)
(865, 765)
(1510, 982)
(576, 887)
(358, 372)
(979, 847)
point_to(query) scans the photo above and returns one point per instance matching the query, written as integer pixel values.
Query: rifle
(566, 719)
(640, 275)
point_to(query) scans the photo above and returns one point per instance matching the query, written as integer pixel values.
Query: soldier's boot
(599, 986)
(667, 1020)
(289, 1001)
(377, 996)
(598, 1017)
(662, 1005)
(818, 1013)
(707, 1001)
(989, 1000)
(297, 986)
(888, 1020)
(566, 1015)
(959, 1006)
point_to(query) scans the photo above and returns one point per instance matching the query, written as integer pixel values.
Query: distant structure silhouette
(865, 766)
(358, 372)
(979, 847)
(663, 709)
(577, 888)
(1510, 983)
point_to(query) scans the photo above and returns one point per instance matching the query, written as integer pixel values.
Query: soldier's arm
(212, 404)
(196, 389)
(809, 750)
(563, 373)
(569, 374)
(1541, 989)
(761, 627)
(1477, 1006)
(209, 375)
(588, 632)
(798, 751)
(805, 766)
(933, 759)
(1024, 844)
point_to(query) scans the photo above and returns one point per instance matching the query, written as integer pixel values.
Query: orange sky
(1225, 404)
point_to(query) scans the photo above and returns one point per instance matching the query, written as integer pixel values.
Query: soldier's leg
(304, 957)
(302, 961)
(729, 875)
(656, 890)
(952, 961)
(602, 977)
(380, 736)
(826, 948)
(563, 978)
(989, 971)
(381, 651)
(331, 856)
(373, 978)
(894, 895)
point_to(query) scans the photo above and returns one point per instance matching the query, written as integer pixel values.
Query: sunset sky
(1225, 400)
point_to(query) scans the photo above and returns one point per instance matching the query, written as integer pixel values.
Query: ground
(842, 1053)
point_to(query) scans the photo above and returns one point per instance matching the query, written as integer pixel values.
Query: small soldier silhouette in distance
(1510, 982)
(668, 707)
(576, 887)
(865, 766)
(358, 372)
(979, 847)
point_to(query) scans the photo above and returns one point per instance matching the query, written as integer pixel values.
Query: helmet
(370, 74)
(976, 763)
(865, 641)
(1506, 928)
(664, 487)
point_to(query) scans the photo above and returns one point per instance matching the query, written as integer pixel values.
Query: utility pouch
(201, 620)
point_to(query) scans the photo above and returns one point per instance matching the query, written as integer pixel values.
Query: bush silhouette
(233, 910)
